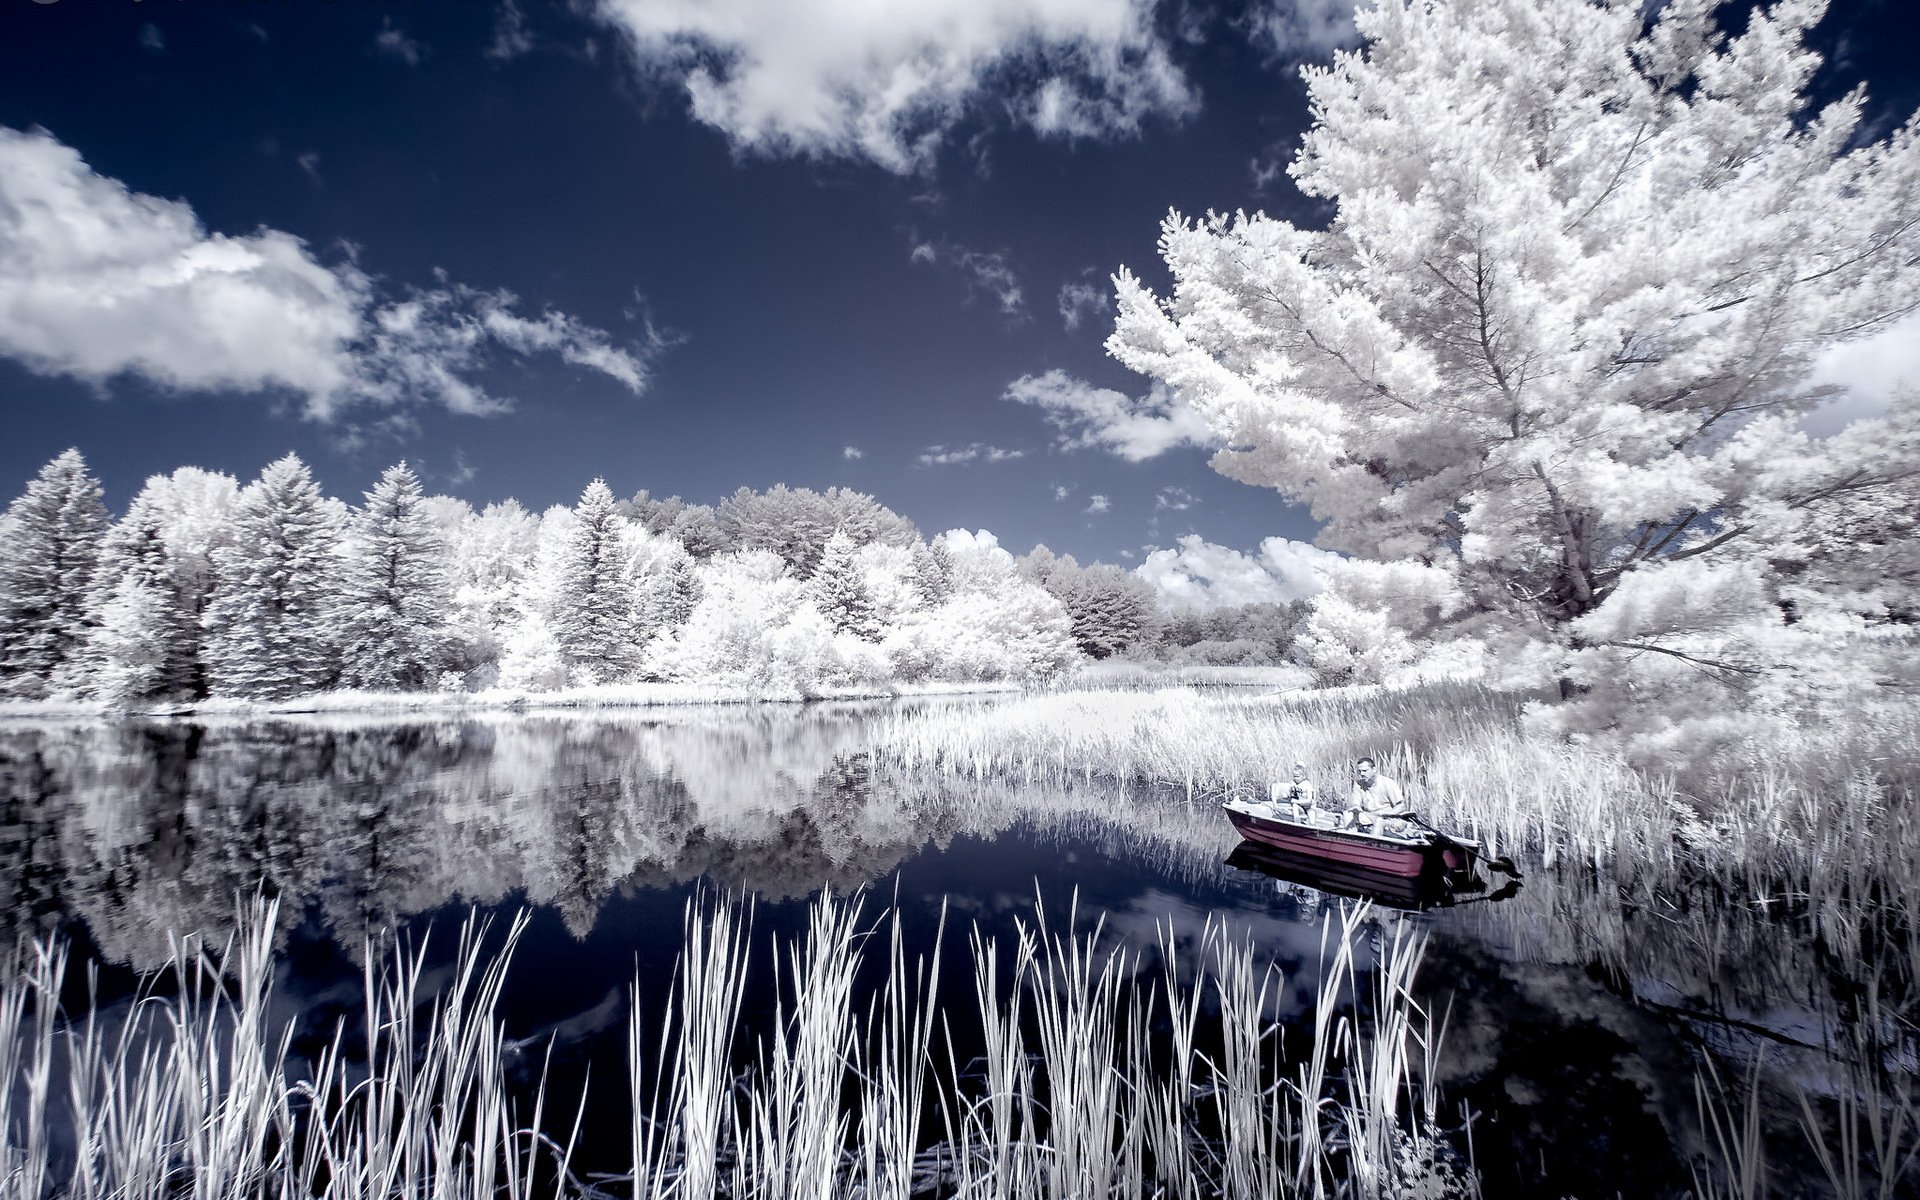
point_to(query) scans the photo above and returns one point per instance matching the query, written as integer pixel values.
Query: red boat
(1402, 849)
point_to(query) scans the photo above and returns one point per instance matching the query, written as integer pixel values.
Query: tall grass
(1071, 1088)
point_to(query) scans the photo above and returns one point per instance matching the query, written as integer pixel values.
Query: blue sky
(684, 246)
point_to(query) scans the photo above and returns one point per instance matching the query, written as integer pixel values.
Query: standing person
(1373, 795)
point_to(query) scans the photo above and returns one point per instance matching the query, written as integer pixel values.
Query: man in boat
(1374, 796)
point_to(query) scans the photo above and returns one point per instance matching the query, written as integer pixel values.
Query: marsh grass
(1078, 1069)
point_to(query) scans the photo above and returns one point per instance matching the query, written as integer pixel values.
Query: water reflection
(1580, 1004)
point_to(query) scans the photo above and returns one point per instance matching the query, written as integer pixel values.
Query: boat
(1403, 848)
(1412, 893)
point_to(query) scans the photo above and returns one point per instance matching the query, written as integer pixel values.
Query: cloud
(151, 39)
(310, 163)
(1087, 415)
(1869, 372)
(988, 272)
(1264, 170)
(1061, 491)
(97, 281)
(393, 42)
(1097, 503)
(944, 456)
(1080, 300)
(887, 82)
(1199, 574)
(852, 452)
(510, 36)
(1292, 30)
(1178, 499)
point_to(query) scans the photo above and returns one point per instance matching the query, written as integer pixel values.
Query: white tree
(145, 644)
(839, 590)
(270, 631)
(395, 603)
(593, 612)
(1556, 338)
(49, 542)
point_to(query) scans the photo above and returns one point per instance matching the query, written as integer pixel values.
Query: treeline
(204, 587)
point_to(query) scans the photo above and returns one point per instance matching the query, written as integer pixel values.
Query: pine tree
(51, 544)
(164, 544)
(128, 645)
(593, 616)
(269, 633)
(932, 573)
(667, 597)
(840, 592)
(396, 606)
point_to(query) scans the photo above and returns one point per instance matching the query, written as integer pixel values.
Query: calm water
(1581, 1007)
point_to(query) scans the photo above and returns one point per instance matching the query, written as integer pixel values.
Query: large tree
(270, 624)
(593, 613)
(396, 604)
(1550, 352)
(49, 541)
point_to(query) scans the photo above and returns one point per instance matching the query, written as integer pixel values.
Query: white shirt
(1384, 796)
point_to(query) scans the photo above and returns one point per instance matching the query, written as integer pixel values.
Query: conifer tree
(269, 633)
(396, 605)
(47, 555)
(932, 573)
(667, 597)
(128, 645)
(593, 614)
(164, 545)
(839, 591)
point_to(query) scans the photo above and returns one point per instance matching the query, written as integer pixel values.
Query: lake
(1580, 1008)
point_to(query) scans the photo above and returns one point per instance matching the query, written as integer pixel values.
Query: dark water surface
(1581, 1008)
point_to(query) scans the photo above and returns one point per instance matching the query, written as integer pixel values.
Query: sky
(683, 245)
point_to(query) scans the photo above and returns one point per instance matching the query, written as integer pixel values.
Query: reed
(1074, 1092)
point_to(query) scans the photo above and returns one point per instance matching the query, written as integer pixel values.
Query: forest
(205, 588)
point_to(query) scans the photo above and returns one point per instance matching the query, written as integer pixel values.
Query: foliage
(270, 632)
(396, 601)
(1110, 609)
(796, 523)
(1554, 343)
(592, 614)
(49, 541)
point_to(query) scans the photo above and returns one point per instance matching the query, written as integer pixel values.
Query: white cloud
(1292, 30)
(1264, 171)
(1199, 574)
(1061, 491)
(1097, 503)
(988, 272)
(1080, 300)
(97, 281)
(393, 42)
(510, 36)
(310, 163)
(886, 82)
(1094, 416)
(151, 39)
(946, 456)
(852, 452)
(1178, 499)
(1869, 372)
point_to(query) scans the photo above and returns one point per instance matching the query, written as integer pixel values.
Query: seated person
(1373, 796)
(1299, 795)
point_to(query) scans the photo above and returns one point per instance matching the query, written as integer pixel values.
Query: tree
(932, 573)
(396, 605)
(270, 632)
(840, 592)
(49, 542)
(795, 523)
(151, 587)
(1555, 340)
(593, 612)
(1109, 608)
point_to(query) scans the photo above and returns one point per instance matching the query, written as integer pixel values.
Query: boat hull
(1352, 848)
(1332, 878)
